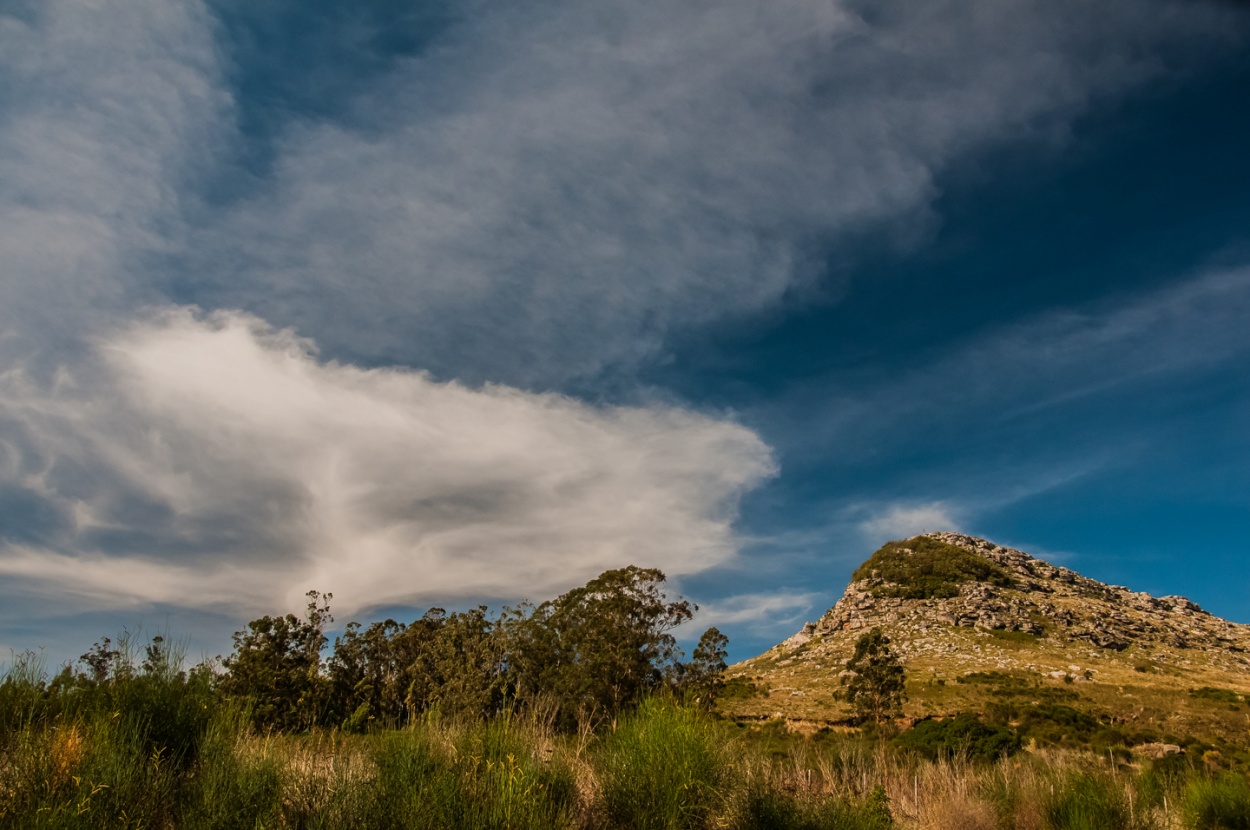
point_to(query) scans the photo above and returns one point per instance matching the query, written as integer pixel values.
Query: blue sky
(459, 302)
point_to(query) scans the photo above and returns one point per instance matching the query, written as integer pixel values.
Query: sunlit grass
(156, 751)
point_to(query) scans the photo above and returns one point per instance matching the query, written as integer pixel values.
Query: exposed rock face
(1045, 599)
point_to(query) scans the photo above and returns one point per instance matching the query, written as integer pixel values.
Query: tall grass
(1221, 803)
(665, 768)
(484, 775)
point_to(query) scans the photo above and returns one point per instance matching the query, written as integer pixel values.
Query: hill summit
(963, 609)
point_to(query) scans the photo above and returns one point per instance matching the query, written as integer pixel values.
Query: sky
(448, 302)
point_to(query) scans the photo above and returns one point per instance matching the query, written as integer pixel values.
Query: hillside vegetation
(154, 749)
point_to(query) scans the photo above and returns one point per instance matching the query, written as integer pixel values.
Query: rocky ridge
(1044, 598)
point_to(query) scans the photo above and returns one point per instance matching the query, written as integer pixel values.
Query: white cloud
(902, 521)
(248, 471)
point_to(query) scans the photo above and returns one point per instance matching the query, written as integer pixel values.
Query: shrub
(1018, 637)
(488, 778)
(925, 568)
(1216, 694)
(1052, 723)
(964, 737)
(229, 791)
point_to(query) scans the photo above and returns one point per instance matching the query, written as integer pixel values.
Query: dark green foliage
(963, 736)
(589, 654)
(489, 779)
(1163, 778)
(1089, 801)
(1018, 637)
(459, 671)
(739, 688)
(702, 679)
(1057, 724)
(1017, 686)
(109, 746)
(1221, 803)
(875, 692)
(227, 791)
(925, 568)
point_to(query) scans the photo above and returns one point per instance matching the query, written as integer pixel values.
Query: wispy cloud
(109, 109)
(217, 462)
(1039, 367)
(548, 192)
(762, 614)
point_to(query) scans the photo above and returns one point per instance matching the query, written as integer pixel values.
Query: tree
(876, 689)
(703, 677)
(461, 670)
(277, 665)
(596, 649)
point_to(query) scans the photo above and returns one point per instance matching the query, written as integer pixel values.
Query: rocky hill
(976, 623)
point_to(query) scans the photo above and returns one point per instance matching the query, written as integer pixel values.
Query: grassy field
(161, 751)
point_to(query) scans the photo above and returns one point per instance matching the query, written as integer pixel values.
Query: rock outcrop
(1044, 599)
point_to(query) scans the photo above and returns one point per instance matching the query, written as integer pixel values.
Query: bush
(1058, 724)
(1216, 694)
(227, 791)
(925, 568)
(964, 737)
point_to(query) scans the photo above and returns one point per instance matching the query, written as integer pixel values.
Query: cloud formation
(541, 195)
(215, 461)
(1030, 370)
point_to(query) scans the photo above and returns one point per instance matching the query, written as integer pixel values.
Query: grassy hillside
(1158, 682)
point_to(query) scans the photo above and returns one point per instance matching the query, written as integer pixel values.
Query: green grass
(925, 568)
